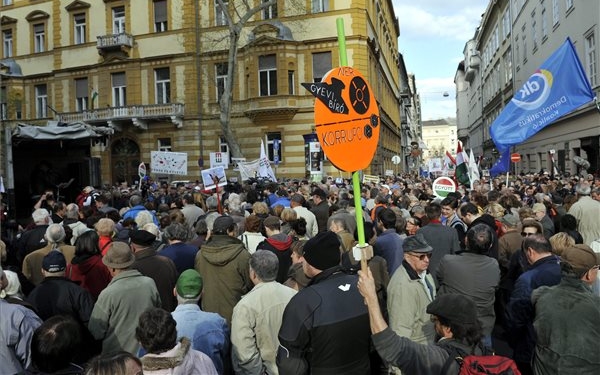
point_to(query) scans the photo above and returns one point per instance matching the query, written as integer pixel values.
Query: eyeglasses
(421, 256)
(527, 234)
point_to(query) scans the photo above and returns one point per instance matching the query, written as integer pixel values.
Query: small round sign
(396, 159)
(346, 118)
(443, 186)
(515, 157)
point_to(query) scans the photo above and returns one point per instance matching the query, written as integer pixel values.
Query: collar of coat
(151, 362)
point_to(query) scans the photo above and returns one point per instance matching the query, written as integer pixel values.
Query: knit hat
(54, 261)
(581, 257)
(510, 220)
(416, 244)
(323, 251)
(142, 237)
(189, 284)
(119, 255)
(222, 223)
(456, 308)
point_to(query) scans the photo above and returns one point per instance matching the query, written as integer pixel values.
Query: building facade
(439, 136)
(512, 41)
(153, 71)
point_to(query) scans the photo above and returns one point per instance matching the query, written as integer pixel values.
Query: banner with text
(164, 162)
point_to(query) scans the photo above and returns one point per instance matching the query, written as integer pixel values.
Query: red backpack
(486, 364)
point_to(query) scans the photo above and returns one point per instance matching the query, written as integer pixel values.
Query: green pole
(360, 228)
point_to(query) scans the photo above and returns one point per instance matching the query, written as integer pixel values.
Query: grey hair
(72, 211)
(234, 203)
(40, 215)
(176, 231)
(583, 189)
(265, 264)
(55, 233)
(135, 200)
(211, 202)
(143, 217)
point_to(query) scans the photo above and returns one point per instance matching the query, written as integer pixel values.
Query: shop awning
(57, 131)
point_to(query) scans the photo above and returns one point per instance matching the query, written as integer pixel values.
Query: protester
(86, 268)
(208, 332)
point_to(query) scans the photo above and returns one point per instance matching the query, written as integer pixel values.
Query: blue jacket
(389, 247)
(208, 332)
(182, 254)
(135, 210)
(520, 312)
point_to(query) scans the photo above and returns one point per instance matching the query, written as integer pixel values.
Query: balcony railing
(121, 41)
(138, 114)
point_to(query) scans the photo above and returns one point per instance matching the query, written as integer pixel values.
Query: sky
(433, 34)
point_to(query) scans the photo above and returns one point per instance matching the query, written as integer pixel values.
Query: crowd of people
(265, 278)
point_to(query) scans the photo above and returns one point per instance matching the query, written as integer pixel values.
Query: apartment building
(153, 72)
(514, 38)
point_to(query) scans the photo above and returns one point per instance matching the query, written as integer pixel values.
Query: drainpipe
(198, 81)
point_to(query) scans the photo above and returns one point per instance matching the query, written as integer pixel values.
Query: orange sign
(346, 118)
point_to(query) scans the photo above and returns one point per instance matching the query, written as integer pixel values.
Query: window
(517, 55)
(7, 2)
(220, 18)
(224, 147)
(118, 20)
(221, 78)
(163, 85)
(164, 144)
(39, 38)
(524, 43)
(590, 59)
(506, 24)
(321, 65)
(81, 94)
(568, 4)
(270, 11)
(291, 82)
(79, 32)
(160, 16)
(274, 147)
(41, 101)
(507, 66)
(319, 6)
(544, 24)
(534, 31)
(119, 89)
(7, 43)
(267, 75)
(555, 14)
(3, 104)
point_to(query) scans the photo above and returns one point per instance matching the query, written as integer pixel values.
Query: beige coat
(32, 264)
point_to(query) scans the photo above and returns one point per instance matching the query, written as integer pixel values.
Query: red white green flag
(462, 168)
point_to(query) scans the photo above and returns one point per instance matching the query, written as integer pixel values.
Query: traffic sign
(346, 118)
(515, 157)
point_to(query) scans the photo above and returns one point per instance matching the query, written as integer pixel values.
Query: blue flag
(502, 165)
(558, 87)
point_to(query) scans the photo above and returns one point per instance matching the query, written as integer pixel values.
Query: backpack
(487, 364)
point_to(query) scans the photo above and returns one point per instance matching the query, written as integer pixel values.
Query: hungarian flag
(462, 168)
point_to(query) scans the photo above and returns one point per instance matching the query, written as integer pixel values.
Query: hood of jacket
(221, 249)
(169, 359)
(280, 241)
(84, 266)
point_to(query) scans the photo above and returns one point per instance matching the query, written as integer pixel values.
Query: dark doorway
(125, 161)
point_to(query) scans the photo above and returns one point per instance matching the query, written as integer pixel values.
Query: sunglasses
(526, 234)
(421, 256)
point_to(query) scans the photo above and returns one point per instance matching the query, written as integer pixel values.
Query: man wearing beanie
(325, 327)
(566, 317)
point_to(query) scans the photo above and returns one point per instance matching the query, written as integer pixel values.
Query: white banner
(219, 159)
(163, 162)
(249, 169)
(435, 165)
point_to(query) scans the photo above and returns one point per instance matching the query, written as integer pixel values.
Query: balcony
(139, 115)
(280, 107)
(114, 42)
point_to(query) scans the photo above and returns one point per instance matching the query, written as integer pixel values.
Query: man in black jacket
(325, 327)
(57, 295)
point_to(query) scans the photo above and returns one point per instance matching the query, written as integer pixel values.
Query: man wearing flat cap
(157, 267)
(223, 264)
(119, 306)
(454, 317)
(325, 326)
(567, 316)
(410, 290)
